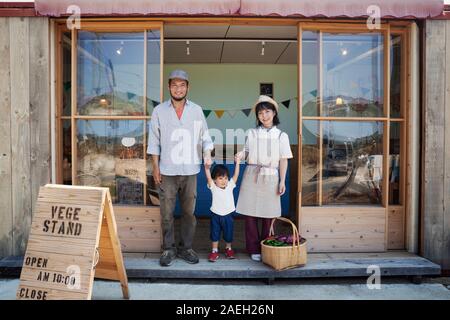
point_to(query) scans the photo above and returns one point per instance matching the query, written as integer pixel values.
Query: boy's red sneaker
(213, 256)
(229, 253)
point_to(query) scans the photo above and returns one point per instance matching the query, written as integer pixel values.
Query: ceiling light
(262, 48)
(119, 51)
(188, 52)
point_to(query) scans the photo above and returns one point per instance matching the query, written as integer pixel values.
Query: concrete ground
(283, 289)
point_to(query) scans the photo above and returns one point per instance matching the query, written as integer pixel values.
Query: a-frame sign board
(73, 239)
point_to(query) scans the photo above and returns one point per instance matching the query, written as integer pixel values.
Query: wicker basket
(281, 258)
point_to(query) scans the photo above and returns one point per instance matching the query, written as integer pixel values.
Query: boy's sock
(215, 250)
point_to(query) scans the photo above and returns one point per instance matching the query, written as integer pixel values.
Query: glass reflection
(110, 73)
(310, 163)
(153, 70)
(67, 152)
(111, 154)
(67, 73)
(396, 76)
(353, 75)
(394, 163)
(310, 73)
(352, 163)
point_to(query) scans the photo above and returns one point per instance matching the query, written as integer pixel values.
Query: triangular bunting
(247, 111)
(206, 113)
(286, 103)
(130, 95)
(314, 93)
(219, 113)
(155, 103)
(232, 113)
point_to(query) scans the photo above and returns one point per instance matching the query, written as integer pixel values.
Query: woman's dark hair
(266, 106)
(220, 170)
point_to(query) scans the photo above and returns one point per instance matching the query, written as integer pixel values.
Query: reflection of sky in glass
(310, 72)
(110, 128)
(353, 66)
(110, 62)
(153, 67)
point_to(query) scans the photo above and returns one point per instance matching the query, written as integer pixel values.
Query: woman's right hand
(157, 175)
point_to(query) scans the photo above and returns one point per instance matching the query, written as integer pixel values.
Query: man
(177, 138)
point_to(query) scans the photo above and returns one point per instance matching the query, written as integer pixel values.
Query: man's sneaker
(256, 257)
(213, 256)
(229, 253)
(189, 256)
(167, 258)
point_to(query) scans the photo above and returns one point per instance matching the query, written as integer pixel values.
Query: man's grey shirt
(180, 143)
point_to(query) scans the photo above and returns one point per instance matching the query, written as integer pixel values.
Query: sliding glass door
(351, 136)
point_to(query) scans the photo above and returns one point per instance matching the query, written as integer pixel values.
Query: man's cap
(179, 74)
(268, 99)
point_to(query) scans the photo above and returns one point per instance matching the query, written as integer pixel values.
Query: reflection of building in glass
(351, 162)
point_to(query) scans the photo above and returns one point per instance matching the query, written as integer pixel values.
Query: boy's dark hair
(220, 170)
(266, 106)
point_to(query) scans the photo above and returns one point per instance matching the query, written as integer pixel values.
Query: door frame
(402, 210)
(127, 24)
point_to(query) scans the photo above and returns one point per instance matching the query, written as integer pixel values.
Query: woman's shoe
(256, 257)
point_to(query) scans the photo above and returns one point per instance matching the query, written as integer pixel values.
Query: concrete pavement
(256, 290)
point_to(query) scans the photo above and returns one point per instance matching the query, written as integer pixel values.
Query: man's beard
(179, 99)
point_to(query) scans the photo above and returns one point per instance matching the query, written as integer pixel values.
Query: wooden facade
(24, 125)
(435, 231)
(25, 149)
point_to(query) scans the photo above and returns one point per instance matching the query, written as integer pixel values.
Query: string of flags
(232, 112)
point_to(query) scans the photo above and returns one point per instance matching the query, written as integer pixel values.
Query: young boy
(222, 207)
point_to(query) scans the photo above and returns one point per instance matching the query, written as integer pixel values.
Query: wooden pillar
(435, 233)
(6, 218)
(20, 131)
(24, 125)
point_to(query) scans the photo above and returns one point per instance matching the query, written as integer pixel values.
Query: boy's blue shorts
(221, 224)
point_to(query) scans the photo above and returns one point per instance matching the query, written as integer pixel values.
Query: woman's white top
(266, 147)
(222, 199)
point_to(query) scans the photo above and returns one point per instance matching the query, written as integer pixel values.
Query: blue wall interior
(204, 194)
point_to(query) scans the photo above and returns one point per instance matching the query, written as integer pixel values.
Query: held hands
(237, 159)
(239, 156)
(208, 162)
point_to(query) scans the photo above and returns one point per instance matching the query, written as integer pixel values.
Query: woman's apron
(258, 195)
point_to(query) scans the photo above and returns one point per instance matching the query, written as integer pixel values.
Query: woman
(267, 151)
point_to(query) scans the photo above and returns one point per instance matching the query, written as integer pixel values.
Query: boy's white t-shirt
(223, 199)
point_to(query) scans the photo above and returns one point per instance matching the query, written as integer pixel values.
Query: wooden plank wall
(344, 229)
(24, 125)
(435, 231)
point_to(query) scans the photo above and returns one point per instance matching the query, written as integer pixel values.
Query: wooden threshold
(141, 265)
